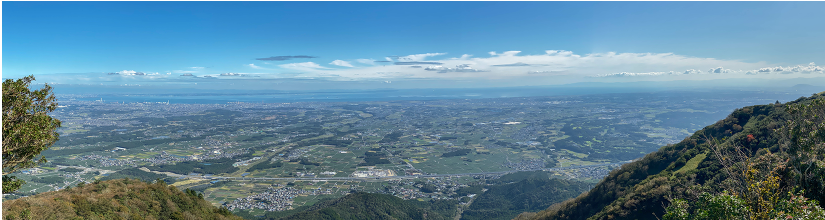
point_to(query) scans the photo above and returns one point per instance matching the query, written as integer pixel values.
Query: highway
(391, 177)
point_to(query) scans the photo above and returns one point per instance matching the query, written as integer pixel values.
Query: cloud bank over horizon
(548, 68)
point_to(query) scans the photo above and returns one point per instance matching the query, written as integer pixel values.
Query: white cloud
(133, 76)
(458, 68)
(302, 66)
(433, 67)
(366, 61)
(126, 72)
(549, 65)
(341, 63)
(133, 73)
(232, 74)
(253, 66)
(810, 68)
(623, 74)
(417, 57)
(719, 70)
(503, 68)
(194, 69)
(506, 53)
(463, 57)
(559, 52)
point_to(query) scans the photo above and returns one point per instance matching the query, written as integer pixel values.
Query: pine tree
(27, 127)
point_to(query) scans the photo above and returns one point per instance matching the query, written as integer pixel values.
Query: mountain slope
(639, 190)
(505, 201)
(116, 199)
(365, 206)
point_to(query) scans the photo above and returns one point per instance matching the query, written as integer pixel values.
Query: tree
(725, 206)
(804, 136)
(27, 127)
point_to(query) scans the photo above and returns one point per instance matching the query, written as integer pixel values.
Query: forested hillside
(505, 201)
(766, 149)
(364, 206)
(116, 199)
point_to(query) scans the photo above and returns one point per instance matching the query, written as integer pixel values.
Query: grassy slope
(115, 199)
(692, 164)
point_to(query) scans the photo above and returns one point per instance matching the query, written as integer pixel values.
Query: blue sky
(474, 44)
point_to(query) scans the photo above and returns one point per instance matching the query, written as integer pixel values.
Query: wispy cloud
(415, 57)
(513, 53)
(125, 75)
(463, 57)
(458, 68)
(626, 74)
(194, 69)
(302, 66)
(418, 63)
(132, 73)
(559, 63)
(810, 68)
(341, 63)
(366, 61)
(549, 66)
(516, 64)
(124, 72)
(253, 66)
(232, 74)
(282, 58)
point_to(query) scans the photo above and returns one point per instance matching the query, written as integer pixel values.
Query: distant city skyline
(364, 45)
